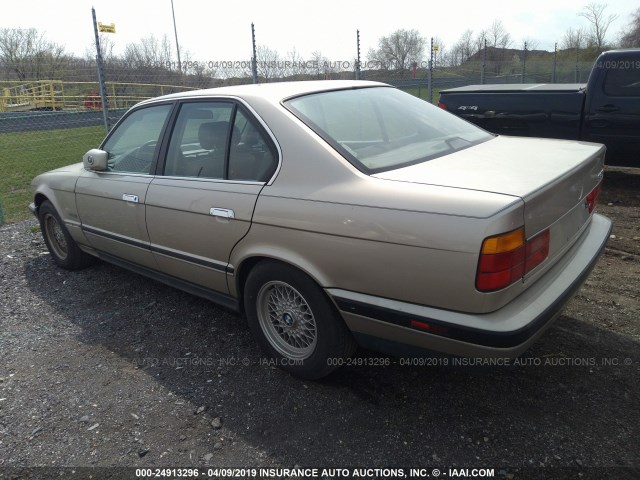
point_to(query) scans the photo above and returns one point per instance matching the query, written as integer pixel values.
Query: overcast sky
(221, 30)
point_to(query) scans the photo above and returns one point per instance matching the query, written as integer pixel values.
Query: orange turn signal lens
(506, 242)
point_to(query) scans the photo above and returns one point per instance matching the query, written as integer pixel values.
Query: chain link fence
(52, 119)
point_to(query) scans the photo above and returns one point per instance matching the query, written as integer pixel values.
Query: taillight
(506, 258)
(442, 106)
(537, 250)
(591, 199)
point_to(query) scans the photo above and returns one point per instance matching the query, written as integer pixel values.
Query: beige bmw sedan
(336, 213)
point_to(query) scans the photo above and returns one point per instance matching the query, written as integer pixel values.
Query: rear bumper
(507, 332)
(33, 209)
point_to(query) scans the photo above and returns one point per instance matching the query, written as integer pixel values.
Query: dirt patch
(104, 368)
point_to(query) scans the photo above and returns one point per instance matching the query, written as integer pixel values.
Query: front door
(111, 204)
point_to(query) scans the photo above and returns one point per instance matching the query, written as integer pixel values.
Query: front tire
(62, 247)
(294, 322)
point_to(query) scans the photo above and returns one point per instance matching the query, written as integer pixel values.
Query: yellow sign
(107, 28)
(436, 48)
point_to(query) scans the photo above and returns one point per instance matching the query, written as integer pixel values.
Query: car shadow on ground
(553, 409)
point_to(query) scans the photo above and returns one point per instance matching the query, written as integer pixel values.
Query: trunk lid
(552, 177)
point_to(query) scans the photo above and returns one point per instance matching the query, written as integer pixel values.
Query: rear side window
(219, 140)
(622, 82)
(382, 128)
(251, 156)
(199, 140)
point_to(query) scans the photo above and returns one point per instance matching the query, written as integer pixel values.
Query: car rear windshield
(382, 128)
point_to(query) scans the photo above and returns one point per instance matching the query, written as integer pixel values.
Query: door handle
(607, 108)
(130, 198)
(222, 212)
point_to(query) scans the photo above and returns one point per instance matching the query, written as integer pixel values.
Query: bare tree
(574, 39)
(497, 35)
(461, 50)
(465, 46)
(150, 53)
(106, 49)
(599, 23)
(30, 56)
(631, 37)
(294, 64)
(321, 66)
(268, 62)
(399, 50)
(481, 39)
(197, 74)
(531, 43)
(150, 60)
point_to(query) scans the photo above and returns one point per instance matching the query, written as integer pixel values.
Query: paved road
(33, 121)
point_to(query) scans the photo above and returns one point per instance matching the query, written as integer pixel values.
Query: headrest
(213, 135)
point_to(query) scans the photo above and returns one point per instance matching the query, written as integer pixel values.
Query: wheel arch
(40, 198)
(46, 194)
(250, 260)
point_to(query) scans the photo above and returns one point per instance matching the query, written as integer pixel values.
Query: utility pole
(358, 55)
(555, 63)
(254, 59)
(103, 91)
(430, 80)
(484, 62)
(524, 63)
(175, 31)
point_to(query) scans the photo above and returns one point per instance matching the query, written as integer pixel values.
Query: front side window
(382, 128)
(132, 145)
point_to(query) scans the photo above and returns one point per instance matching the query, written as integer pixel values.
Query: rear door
(218, 158)
(614, 111)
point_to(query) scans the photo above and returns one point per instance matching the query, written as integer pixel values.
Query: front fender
(58, 187)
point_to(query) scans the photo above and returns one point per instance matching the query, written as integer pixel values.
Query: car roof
(275, 92)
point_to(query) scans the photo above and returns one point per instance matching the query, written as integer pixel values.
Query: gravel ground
(104, 368)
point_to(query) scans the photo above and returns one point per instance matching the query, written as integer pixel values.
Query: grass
(23, 155)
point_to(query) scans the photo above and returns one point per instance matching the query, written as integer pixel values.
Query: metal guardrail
(38, 95)
(40, 121)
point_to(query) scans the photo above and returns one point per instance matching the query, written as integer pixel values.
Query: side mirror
(95, 160)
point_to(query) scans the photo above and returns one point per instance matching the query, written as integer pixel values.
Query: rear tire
(294, 322)
(62, 247)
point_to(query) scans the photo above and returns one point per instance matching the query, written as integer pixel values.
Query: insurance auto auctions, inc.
(370, 473)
